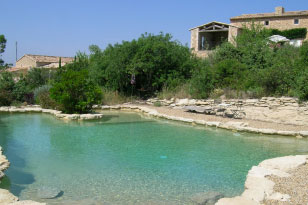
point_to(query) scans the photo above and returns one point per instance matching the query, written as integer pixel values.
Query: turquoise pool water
(126, 158)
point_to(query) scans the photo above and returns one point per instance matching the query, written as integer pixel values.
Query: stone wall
(25, 62)
(270, 102)
(194, 39)
(281, 23)
(269, 109)
(233, 32)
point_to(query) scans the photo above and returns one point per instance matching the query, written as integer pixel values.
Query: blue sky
(63, 27)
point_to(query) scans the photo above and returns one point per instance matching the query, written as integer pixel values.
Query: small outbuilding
(207, 37)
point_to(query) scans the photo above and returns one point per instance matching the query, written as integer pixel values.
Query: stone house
(206, 37)
(39, 61)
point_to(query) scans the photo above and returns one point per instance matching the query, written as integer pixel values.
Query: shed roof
(213, 22)
(270, 15)
(48, 59)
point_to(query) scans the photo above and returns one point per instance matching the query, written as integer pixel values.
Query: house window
(266, 23)
(296, 21)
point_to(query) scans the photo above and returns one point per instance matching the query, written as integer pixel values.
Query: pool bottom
(127, 159)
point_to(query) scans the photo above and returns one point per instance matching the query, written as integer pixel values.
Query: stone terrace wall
(281, 110)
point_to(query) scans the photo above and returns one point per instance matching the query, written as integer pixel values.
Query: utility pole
(16, 51)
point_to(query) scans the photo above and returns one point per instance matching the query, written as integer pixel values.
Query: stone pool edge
(231, 125)
(56, 113)
(259, 188)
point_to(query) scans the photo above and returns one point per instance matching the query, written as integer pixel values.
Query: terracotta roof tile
(49, 59)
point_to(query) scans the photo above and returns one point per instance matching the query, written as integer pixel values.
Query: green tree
(2, 49)
(151, 62)
(7, 85)
(75, 92)
(302, 85)
(36, 77)
(203, 81)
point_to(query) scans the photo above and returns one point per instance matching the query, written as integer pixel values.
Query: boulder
(206, 198)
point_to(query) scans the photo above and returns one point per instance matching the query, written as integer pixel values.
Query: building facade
(204, 39)
(39, 61)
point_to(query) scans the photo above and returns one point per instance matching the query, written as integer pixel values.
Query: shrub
(290, 33)
(22, 92)
(304, 53)
(42, 97)
(157, 104)
(36, 77)
(181, 91)
(6, 98)
(6, 88)
(230, 73)
(202, 82)
(302, 85)
(225, 51)
(113, 97)
(75, 92)
(150, 62)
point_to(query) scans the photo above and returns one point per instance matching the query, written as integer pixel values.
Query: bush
(302, 85)
(231, 74)
(181, 91)
(143, 66)
(7, 85)
(113, 97)
(22, 92)
(75, 92)
(37, 77)
(304, 53)
(202, 82)
(157, 104)
(290, 33)
(6, 98)
(42, 97)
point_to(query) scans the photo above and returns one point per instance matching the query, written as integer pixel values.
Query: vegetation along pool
(126, 158)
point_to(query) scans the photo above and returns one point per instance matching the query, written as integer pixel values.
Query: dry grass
(178, 92)
(114, 98)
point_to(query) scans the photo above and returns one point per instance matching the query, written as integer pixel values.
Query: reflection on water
(125, 158)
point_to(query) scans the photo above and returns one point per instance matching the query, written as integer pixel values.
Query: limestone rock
(206, 198)
(213, 124)
(182, 102)
(304, 133)
(279, 197)
(284, 163)
(257, 188)
(239, 200)
(6, 197)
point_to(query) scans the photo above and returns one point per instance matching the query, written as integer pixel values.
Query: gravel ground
(252, 123)
(295, 186)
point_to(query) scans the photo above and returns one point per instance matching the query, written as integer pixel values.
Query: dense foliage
(156, 65)
(142, 66)
(290, 33)
(76, 92)
(2, 49)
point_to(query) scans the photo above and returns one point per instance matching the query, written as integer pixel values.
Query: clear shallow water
(128, 159)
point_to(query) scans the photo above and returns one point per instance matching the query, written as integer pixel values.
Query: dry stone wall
(269, 109)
